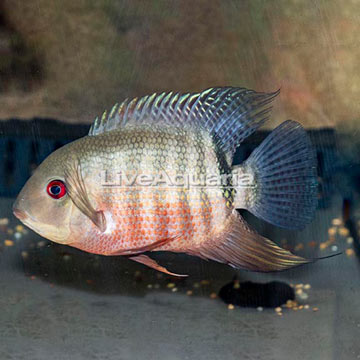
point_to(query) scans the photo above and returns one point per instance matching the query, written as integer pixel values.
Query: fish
(156, 173)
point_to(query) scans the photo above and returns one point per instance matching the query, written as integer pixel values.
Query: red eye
(56, 189)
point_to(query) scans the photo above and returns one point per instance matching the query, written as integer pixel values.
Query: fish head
(43, 203)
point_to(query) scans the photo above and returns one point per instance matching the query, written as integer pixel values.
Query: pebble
(334, 248)
(307, 286)
(10, 231)
(213, 295)
(306, 307)
(332, 231)
(343, 231)
(24, 254)
(303, 296)
(349, 252)
(315, 309)
(312, 243)
(196, 285)
(260, 308)
(189, 292)
(19, 228)
(149, 286)
(349, 240)
(66, 257)
(41, 243)
(291, 304)
(8, 242)
(4, 221)
(323, 245)
(299, 247)
(205, 282)
(175, 289)
(278, 309)
(170, 285)
(236, 284)
(231, 307)
(337, 222)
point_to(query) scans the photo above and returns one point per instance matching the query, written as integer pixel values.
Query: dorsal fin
(228, 114)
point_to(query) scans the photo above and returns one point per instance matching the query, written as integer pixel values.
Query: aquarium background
(62, 63)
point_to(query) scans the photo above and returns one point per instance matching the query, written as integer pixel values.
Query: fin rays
(228, 114)
(285, 193)
(76, 189)
(146, 260)
(241, 247)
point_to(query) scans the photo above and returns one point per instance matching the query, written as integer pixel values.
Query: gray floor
(59, 303)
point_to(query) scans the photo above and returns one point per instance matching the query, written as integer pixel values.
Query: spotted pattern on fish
(143, 215)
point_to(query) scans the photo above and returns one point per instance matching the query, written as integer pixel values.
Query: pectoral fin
(145, 260)
(76, 189)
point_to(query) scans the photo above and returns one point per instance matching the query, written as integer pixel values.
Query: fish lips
(20, 214)
(45, 230)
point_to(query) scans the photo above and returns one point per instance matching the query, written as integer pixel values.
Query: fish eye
(56, 189)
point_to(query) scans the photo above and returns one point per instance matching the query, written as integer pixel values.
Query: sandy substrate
(60, 303)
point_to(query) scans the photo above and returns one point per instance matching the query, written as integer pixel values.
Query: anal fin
(241, 247)
(146, 260)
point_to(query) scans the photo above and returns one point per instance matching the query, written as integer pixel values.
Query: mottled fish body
(156, 174)
(115, 164)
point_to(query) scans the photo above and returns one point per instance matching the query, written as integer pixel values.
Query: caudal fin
(284, 176)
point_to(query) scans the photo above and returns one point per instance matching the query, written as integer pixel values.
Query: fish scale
(145, 215)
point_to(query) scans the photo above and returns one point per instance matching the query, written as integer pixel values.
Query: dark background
(71, 60)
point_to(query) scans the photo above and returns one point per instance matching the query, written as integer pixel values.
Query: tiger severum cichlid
(156, 174)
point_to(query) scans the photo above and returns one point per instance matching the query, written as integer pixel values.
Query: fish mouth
(47, 231)
(21, 215)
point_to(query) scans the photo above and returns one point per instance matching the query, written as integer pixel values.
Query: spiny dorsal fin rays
(228, 114)
(251, 108)
(120, 119)
(215, 109)
(245, 119)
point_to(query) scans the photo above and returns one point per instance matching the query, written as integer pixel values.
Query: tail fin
(285, 179)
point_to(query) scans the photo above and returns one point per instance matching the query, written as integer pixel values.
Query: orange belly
(163, 221)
